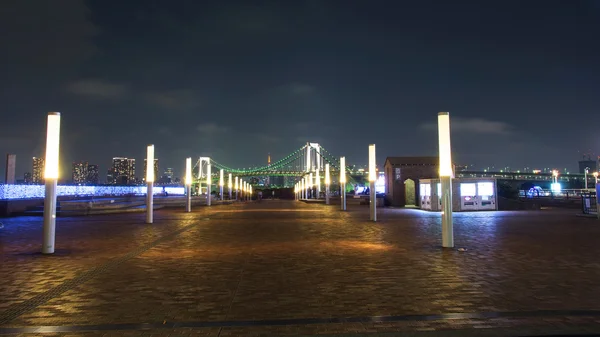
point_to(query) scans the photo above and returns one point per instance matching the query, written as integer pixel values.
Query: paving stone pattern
(280, 260)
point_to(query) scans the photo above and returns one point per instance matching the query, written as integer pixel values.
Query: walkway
(284, 267)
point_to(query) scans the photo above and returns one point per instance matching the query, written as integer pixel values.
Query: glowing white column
(51, 177)
(372, 179)
(318, 183)
(595, 177)
(149, 184)
(308, 168)
(237, 187)
(208, 182)
(305, 187)
(585, 174)
(230, 185)
(446, 178)
(343, 182)
(327, 183)
(188, 184)
(311, 185)
(221, 183)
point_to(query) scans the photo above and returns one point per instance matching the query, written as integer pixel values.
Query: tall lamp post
(188, 184)
(318, 182)
(221, 183)
(311, 185)
(208, 183)
(327, 183)
(51, 177)
(149, 183)
(372, 179)
(585, 173)
(446, 178)
(595, 174)
(230, 185)
(237, 187)
(343, 182)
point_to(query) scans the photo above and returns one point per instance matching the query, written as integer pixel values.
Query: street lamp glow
(52, 145)
(150, 164)
(51, 175)
(444, 143)
(308, 147)
(372, 164)
(221, 178)
(237, 185)
(188, 183)
(188, 171)
(149, 183)
(229, 182)
(372, 179)
(327, 182)
(445, 154)
(343, 170)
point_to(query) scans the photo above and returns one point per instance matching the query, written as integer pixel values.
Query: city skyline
(517, 80)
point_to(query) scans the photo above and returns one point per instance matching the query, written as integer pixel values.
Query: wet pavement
(284, 267)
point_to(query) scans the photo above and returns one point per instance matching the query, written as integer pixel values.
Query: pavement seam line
(18, 309)
(237, 288)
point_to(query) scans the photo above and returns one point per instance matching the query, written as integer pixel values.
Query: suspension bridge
(310, 158)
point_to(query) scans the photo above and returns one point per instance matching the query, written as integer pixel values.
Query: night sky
(236, 80)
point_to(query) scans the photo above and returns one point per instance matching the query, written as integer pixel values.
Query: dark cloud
(96, 88)
(46, 34)
(475, 126)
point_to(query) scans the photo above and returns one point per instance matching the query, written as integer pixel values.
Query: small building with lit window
(468, 194)
(402, 177)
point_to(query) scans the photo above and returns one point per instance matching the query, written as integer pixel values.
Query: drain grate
(19, 309)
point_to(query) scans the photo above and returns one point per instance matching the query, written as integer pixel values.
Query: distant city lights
(12, 192)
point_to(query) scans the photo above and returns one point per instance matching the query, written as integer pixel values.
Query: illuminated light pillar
(327, 183)
(208, 183)
(597, 194)
(221, 183)
(149, 184)
(311, 184)
(343, 182)
(188, 184)
(372, 179)
(305, 187)
(318, 183)
(445, 153)
(51, 177)
(308, 157)
(237, 187)
(595, 178)
(230, 185)
(585, 173)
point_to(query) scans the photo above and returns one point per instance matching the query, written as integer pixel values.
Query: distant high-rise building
(156, 176)
(27, 178)
(37, 176)
(590, 164)
(11, 163)
(79, 172)
(122, 171)
(92, 175)
(167, 176)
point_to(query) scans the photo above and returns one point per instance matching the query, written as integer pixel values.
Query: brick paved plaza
(285, 267)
